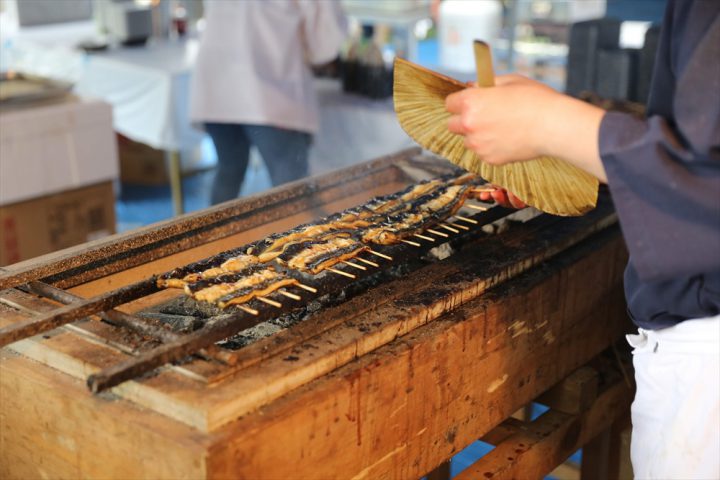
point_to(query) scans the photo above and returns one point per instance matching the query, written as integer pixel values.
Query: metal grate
(174, 346)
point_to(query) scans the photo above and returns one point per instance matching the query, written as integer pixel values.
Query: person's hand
(503, 198)
(504, 123)
(521, 119)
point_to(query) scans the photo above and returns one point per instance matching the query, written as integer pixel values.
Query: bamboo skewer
(475, 207)
(381, 255)
(465, 219)
(457, 225)
(424, 237)
(289, 295)
(270, 302)
(340, 272)
(435, 232)
(449, 228)
(414, 244)
(306, 287)
(372, 264)
(354, 265)
(249, 310)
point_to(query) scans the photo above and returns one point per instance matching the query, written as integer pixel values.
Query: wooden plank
(574, 394)
(596, 457)
(567, 471)
(502, 432)
(72, 434)
(401, 410)
(79, 352)
(536, 450)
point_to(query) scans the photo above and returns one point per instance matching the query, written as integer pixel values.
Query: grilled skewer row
(351, 218)
(428, 196)
(383, 229)
(233, 277)
(315, 255)
(270, 247)
(437, 204)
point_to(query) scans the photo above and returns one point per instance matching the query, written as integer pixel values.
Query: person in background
(253, 85)
(664, 177)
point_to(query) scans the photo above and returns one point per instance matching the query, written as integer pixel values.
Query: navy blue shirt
(664, 174)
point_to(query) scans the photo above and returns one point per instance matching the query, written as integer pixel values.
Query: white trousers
(676, 411)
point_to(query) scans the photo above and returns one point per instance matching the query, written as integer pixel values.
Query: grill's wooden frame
(390, 383)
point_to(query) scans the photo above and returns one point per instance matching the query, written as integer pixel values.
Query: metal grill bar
(115, 317)
(122, 319)
(206, 336)
(77, 310)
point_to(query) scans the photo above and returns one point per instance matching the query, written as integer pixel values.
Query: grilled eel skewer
(239, 287)
(226, 262)
(314, 256)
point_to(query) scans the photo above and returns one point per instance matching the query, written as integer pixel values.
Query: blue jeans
(285, 153)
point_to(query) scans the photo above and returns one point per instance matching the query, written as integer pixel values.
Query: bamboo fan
(546, 183)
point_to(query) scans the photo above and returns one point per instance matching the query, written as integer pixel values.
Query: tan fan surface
(546, 183)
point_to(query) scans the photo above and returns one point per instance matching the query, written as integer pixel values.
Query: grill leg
(442, 472)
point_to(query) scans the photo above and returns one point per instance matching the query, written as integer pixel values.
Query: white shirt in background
(253, 66)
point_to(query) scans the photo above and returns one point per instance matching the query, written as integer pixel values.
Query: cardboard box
(141, 164)
(53, 222)
(51, 148)
(144, 165)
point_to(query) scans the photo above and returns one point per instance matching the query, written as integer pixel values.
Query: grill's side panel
(408, 406)
(50, 427)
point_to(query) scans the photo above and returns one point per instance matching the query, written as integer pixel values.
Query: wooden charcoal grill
(115, 279)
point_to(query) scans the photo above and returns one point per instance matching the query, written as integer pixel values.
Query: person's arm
(666, 192)
(324, 28)
(520, 119)
(664, 177)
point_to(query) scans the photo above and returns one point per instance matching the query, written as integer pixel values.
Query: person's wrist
(548, 131)
(570, 126)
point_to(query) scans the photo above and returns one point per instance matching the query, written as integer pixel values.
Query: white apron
(676, 412)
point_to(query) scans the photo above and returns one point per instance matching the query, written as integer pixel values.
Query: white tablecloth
(147, 86)
(149, 89)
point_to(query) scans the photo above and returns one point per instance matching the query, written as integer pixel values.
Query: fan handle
(483, 64)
